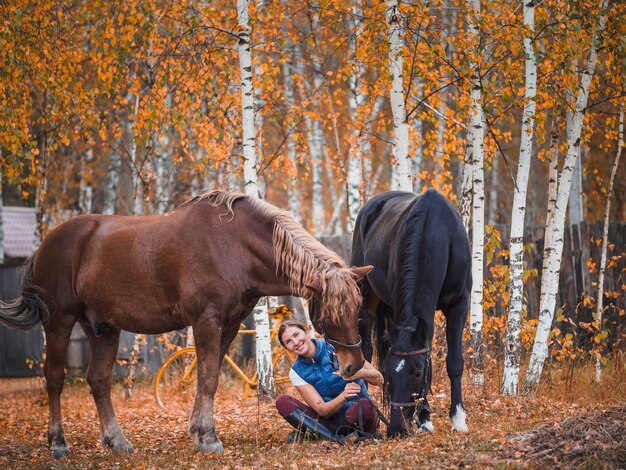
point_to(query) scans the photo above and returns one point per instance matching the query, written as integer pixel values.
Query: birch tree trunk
(316, 144)
(513, 344)
(164, 175)
(354, 177)
(418, 158)
(265, 373)
(110, 191)
(553, 182)
(550, 283)
(40, 196)
(493, 191)
(293, 190)
(247, 100)
(605, 239)
(478, 202)
(85, 199)
(465, 205)
(138, 168)
(395, 33)
(133, 364)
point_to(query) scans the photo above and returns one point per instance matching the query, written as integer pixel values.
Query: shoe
(298, 436)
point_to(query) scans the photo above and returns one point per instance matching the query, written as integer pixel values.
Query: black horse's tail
(28, 310)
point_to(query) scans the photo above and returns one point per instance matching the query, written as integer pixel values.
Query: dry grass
(254, 435)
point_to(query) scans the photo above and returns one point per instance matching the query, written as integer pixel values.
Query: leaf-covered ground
(577, 425)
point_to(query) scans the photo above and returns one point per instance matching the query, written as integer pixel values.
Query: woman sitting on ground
(332, 404)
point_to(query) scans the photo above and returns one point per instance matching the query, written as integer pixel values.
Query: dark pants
(286, 404)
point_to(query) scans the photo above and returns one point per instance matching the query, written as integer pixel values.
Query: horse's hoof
(459, 423)
(426, 427)
(59, 453)
(397, 433)
(209, 445)
(118, 444)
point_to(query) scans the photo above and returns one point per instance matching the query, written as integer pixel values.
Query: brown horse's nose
(351, 369)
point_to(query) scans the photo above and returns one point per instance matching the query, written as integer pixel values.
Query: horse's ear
(361, 271)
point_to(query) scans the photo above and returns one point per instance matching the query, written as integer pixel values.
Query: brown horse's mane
(302, 259)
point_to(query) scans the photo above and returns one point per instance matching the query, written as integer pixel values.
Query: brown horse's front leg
(211, 345)
(103, 351)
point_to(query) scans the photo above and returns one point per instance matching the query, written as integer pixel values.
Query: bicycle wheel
(282, 365)
(175, 381)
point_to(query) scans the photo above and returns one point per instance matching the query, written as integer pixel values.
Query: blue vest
(318, 371)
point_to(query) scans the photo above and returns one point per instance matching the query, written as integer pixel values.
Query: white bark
(575, 207)
(550, 283)
(110, 191)
(354, 177)
(513, 344)
(478, 206)
(293, 189)
(164, 174)
(315, 137)
(85, 198)
(41, 193)
(605, 237)
(493, 191)
(465, 206)
(265, 373)
(395, 32)
(419, 145)
(133, 363)
(247, 100)
(136, 166)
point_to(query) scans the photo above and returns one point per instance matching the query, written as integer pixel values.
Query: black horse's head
(408, 379)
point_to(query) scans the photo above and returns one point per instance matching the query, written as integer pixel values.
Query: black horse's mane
(409, 250)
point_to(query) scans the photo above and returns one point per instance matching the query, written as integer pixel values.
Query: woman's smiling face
(298, 342)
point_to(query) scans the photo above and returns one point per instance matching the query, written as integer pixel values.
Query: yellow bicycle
(175, 381)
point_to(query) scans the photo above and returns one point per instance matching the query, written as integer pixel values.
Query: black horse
(422, 263)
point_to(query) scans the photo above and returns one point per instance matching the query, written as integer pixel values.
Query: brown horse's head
(314, 272)
(334, 309)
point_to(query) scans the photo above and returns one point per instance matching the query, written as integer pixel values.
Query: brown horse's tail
(28, 310)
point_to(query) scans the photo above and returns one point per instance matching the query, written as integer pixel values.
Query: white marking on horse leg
(427, 427)
(400, 366)
(458, 420)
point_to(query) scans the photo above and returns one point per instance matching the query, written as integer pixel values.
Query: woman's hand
(352, 390)
(368, 373)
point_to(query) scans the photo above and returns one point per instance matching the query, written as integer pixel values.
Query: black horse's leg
(57, 339)
(455, 322)
(102, 354)
(212, 342)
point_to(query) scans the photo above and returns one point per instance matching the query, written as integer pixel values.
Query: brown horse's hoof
(208, 445)
(118, 444)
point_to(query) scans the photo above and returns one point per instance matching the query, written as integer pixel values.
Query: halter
(418, 398)
(334, 342)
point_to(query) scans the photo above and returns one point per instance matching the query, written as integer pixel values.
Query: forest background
(134, 107)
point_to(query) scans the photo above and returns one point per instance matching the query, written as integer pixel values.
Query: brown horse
(204, 264)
